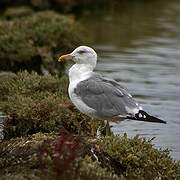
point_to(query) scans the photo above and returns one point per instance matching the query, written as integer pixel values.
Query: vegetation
(48, 156)
(17, 12)
(141, 159)
(37, 103)
(37, 108)
(34, 42)
(67, 156)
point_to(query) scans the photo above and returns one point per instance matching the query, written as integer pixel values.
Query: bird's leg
(80, 127)
(105, 130)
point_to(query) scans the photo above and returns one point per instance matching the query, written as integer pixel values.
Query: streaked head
(81, 55)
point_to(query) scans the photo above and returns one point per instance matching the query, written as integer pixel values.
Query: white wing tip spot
(140, 115)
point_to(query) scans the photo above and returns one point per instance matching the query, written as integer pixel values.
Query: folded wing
(107, 97)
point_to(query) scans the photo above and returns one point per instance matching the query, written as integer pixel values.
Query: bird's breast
(77, 101)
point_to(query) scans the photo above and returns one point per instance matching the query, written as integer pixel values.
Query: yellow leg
(105, 130)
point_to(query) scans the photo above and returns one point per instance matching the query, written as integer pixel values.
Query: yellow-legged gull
(97, 96)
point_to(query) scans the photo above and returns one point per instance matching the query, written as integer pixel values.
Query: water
(139, 46)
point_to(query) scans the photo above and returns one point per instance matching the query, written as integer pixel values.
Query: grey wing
(106, 96)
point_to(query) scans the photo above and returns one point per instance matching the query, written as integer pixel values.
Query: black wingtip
(157, 120)
(162, 121)
(143, 116)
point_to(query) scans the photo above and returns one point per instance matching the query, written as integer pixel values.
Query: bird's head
(81, 55)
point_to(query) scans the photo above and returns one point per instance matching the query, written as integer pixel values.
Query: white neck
(79, 72)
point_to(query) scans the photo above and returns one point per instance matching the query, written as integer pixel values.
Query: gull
(97, 96)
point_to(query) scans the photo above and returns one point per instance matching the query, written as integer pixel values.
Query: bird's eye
(81, 51)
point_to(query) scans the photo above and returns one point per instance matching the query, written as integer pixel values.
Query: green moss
(17, 12)
(34, 42)
(141, 159)
(18, 157)
(39, 156)
(66, 156)
(37, 103)
(28, 84)
(37, 109)
(92, 170)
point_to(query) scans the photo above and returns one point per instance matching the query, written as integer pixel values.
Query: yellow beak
(65, 57)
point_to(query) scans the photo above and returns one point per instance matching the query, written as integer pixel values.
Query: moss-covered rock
(34, 42)
(35, 103)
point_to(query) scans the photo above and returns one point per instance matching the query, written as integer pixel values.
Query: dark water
(139, 45)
